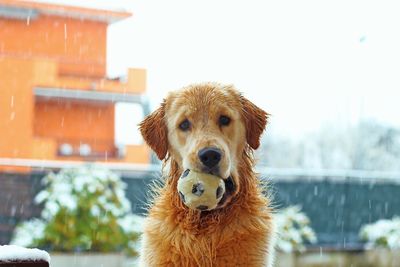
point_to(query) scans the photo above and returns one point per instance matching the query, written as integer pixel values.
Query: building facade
(57, 106)
(56, 102)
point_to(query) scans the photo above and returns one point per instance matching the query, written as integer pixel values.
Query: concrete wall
(368, 258)
(79, 46)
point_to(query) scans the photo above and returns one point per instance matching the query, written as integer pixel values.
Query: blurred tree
(366, 146)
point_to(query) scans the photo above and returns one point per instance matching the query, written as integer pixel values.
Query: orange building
(56, 103)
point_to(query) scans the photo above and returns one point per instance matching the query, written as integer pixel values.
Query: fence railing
(265, 172)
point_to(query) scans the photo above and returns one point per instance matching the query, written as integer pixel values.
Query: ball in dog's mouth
(200, 191)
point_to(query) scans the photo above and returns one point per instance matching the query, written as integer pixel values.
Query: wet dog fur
(240, 231)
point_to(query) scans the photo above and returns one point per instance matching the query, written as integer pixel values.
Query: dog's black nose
(210, 156)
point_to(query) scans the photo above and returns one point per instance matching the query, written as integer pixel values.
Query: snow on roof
(17, 253)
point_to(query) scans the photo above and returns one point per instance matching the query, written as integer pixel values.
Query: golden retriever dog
(208, 128)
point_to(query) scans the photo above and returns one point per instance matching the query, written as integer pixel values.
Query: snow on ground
(17, 253)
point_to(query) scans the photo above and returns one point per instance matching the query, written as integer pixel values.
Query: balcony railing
(88, 149)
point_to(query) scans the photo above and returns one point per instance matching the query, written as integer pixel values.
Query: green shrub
(84, 209)
(384, 233)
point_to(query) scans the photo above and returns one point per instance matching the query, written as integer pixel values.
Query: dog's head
(206, 128)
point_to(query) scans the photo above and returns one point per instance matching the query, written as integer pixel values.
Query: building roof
(14, 9)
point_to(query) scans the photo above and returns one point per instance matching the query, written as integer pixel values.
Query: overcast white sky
(308, 63)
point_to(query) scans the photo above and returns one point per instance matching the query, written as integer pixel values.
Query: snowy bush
(83, 209)
(293, 230)
(383, 233)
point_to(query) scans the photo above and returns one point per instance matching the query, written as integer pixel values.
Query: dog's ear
(154, 131)
(255, 120)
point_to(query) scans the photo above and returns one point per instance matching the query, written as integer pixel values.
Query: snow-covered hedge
(293, 230)
(84, 209)
(383, 233)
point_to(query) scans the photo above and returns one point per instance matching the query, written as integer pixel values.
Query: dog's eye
(224, 120)
(184, 125)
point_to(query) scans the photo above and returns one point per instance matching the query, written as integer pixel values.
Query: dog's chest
(225, 245)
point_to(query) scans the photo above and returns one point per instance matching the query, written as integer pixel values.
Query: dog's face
(206, 128)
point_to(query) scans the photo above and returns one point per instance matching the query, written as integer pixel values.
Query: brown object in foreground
(24, 264)
(223, 128)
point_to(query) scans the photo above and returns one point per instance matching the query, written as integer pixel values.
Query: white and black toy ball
(200, 191)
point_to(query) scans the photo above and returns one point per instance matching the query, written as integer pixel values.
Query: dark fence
(16, 201)
(337, 207)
